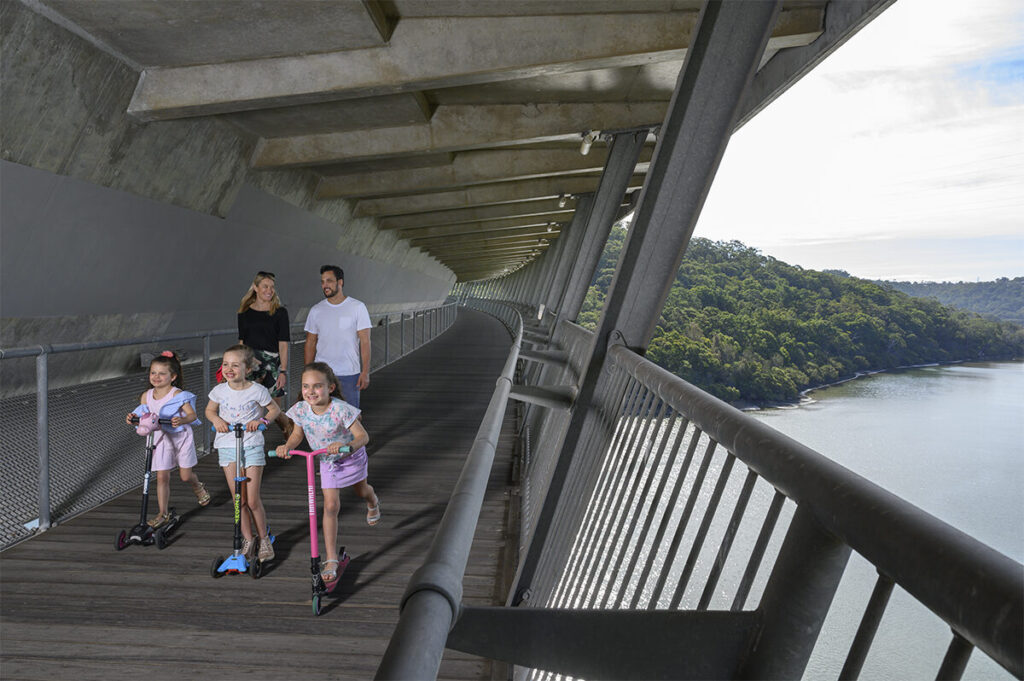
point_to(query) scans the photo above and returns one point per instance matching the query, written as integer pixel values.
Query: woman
(263, 326)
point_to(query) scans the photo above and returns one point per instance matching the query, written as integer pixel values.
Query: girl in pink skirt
(329, 423)
(174, 443)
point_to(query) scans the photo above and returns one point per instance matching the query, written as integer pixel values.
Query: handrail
(432, 600)
(976, 590)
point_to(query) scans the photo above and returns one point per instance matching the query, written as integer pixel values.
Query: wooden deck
(75, 608)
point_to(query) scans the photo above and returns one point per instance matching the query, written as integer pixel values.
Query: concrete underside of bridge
(154, 157)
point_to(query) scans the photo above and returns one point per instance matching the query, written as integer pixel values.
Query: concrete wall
(115, 229)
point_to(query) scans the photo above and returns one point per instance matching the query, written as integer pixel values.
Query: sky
(901, 156)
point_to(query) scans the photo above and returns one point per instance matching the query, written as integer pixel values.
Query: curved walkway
(71, 606)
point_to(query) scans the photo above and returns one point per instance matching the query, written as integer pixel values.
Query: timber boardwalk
(74, 607)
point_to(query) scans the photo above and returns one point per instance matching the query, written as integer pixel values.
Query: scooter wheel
(316, 605)
(122, 541)
(215, 567)
(161, 539)
(256, 569)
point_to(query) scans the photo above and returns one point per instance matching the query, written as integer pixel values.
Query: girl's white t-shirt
(239, 406)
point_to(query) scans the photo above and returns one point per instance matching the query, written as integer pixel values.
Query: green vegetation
(747, 327)
(1000, 299)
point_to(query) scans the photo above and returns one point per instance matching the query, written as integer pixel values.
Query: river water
(948, 439)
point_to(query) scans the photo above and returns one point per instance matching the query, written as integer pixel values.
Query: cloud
(911, 131)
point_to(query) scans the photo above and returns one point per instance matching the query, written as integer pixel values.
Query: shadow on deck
(74, 607)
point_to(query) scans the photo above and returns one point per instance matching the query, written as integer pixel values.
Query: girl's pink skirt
(345, 472)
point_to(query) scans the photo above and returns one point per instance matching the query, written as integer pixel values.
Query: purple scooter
(320, 587)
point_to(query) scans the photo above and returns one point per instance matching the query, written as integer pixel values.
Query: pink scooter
(320, 587)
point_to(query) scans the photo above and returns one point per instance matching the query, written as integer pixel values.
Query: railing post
(401, 329)
(387, 340)
(796, 599)
(206, 387)
(43, 437)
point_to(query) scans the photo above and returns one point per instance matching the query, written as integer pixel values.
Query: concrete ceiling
(456, 122)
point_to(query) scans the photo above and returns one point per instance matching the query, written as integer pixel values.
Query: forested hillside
(999, 299)
(747, 327)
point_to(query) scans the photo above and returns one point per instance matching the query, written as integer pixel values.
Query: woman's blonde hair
(250, 296)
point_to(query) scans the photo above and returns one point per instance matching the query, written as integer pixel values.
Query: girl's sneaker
(248, 548)
(266, 549)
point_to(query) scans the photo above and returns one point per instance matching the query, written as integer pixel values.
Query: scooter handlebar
(165, 422)
(298, 452)
(238, 426)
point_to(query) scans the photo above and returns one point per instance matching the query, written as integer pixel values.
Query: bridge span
(155, 155)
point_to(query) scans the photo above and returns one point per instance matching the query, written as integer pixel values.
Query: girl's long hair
(170, 360)
(325, 369)
(250, 296)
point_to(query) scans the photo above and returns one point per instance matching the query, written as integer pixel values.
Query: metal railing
(72, 473)
(679, 502)
(433, 599)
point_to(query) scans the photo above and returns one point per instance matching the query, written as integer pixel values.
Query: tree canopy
(747, 327)
(1000, 299)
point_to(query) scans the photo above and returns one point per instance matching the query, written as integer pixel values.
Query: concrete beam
(483, 261)
(479, 214)
(489, 264)
(487, 245)
(504, 192)
(842, 20)
(490, 227)
(423, 54)
(459, 128)
(474, 252)
(470, 168)
(475, 50)
(535, 232)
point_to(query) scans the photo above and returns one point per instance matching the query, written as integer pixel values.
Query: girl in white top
(239, 400)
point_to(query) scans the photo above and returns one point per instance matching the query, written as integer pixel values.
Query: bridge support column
(719, 67)
(571, 238)
(611, 189)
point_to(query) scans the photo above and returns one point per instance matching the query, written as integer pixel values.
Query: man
(338, 333)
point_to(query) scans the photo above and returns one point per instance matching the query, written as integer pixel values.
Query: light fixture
(562, 198)
(589, 137)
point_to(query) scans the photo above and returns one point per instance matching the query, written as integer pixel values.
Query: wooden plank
(71, 606)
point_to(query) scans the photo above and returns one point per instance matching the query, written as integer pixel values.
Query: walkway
(74, 607)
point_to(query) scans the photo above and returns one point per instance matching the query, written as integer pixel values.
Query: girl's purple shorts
(345, 472)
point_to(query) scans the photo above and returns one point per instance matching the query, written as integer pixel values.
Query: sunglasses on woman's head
(261, 273)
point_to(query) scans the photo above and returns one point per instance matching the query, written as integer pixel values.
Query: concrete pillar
(572, 237)
(611, 190)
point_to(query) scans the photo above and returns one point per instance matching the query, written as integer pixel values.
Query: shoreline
(804, 395)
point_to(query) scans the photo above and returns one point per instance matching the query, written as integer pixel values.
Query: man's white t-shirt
(336, 328)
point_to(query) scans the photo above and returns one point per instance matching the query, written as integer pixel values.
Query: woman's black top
(263, 331)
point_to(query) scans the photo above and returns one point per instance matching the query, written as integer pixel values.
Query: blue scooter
(237, 563)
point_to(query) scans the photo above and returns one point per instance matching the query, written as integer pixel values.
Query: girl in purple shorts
(329, 423)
